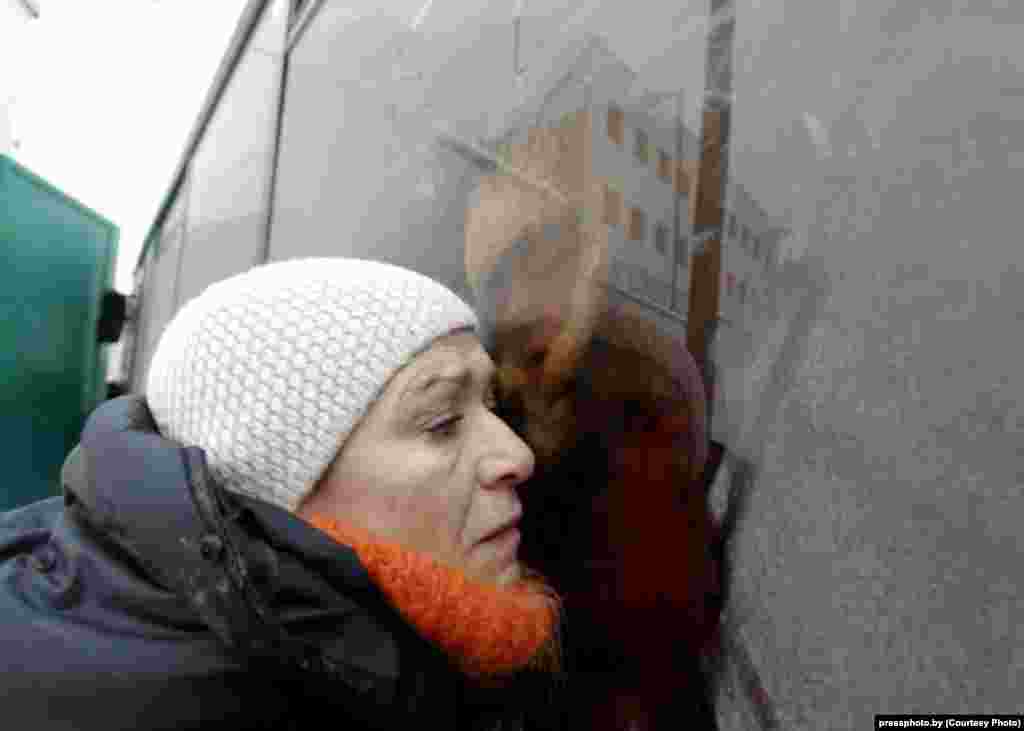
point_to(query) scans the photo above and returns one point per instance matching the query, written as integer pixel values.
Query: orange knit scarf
(487, 630)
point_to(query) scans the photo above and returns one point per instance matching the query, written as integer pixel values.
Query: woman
(310, 517)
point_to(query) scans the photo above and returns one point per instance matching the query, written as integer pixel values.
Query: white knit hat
(269, 371)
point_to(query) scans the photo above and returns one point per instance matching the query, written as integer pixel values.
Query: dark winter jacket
(149, 598)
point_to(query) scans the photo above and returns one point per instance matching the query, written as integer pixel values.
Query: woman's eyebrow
(461, 378)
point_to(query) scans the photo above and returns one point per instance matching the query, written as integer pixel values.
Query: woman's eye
(445, 428)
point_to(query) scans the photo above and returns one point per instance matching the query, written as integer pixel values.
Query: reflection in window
(661, 238)
(637, 225)
(616, 125)
(640, 149)
(664, 166)
(618, 273)
(682, 180)
(612, 206)
(683, 252)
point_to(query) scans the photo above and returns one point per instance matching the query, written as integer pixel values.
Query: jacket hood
(248, 568)
(151, 598)
(134, 485)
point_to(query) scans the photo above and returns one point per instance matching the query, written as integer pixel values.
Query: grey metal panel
(250, 16)
(158, 308)
(230, 173)
(360, 172)
(219, 249)
(877, 560)
(134, 364)
(157, 283)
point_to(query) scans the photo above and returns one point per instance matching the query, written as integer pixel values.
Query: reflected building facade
(631, 168)
(641, 167)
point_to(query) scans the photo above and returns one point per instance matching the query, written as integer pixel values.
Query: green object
(56, 263)
(504, 152)
(647, 152)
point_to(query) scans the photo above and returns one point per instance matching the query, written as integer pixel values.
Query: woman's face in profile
(433, 467)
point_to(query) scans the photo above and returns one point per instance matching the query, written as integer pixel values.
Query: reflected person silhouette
(614, 410)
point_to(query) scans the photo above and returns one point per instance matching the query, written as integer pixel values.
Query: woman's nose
(509, 460)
